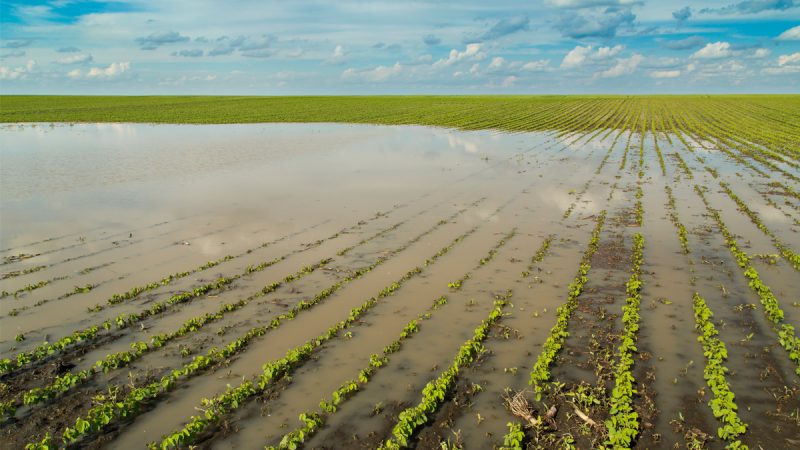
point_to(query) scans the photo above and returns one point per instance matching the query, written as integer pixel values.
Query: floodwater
(93, 211)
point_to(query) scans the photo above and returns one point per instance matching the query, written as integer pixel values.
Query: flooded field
(352, 286)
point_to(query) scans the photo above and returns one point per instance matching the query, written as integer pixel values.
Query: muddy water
(121, 206)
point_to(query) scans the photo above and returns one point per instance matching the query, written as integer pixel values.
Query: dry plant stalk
(518, 405)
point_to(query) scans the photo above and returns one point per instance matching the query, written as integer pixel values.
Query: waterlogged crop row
(722, 403)
(121, 321)
(540, 372)
(537, 257)
(434, 393)
(125, 320)
(673, 216)
(786, 333)
(216, 408)
(16, 273)
(68, 381)
(623, 423)
(113, 361)
(312, 421)
(104, 413)
(786, 252)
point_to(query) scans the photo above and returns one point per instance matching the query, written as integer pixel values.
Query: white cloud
(339, 56)
(79, 58)
(624, 66)
(112, 71)
(761, 53)
(497, 63)
(792, 34)
(17, 73)
(509, 81)
(665, 73)
(535, 66)
(74, 74)
(608, 52)
(472, 52)
(714, 50)
(789, 59)
(379, 73)
(576, 57)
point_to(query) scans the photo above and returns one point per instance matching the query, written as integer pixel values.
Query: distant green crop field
(769, 120)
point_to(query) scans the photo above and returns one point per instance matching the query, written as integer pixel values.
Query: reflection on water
(57, 179)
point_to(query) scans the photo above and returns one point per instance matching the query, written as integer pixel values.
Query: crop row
(435, 392)
(216, 408)
(786, 333)
(313, 420)
(104, 413)
(68, 381)
(539, 255)
(540, 373)
(138, 349)
(722, 403)
(125, 320)
(673, 216)
(16, 273)
(623, 423)
(786, 252)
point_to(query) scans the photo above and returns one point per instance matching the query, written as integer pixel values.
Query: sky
(330, 47)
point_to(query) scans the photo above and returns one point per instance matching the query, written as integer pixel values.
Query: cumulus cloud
(536, 66)
(17, 44)
(575, 57)
(789, 59)
(752, 7)
(497, 63)
(624, 66)
(379, 73)
(338, 56)
(607, 52)
(578, 55)
(155, 40)
(17, 73)
(661, 62)
(684, 44)
(714, 50)
(430, 39)
(594, 23)
(761, 53)
(114, 70)
(792, 34)
(80, 58)
(509, 81)
(68, 50)
(683, 14)
(665, 73)
(192, 53)
(472, 52)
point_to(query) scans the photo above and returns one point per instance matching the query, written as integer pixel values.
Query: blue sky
(258, 47)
